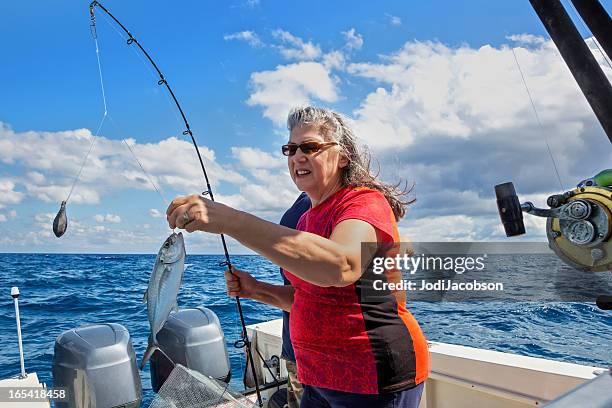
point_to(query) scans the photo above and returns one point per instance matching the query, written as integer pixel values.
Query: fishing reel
(578, 225)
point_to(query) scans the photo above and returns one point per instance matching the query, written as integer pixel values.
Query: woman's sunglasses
(306, 147)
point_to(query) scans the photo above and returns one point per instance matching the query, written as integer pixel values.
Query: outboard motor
(97, 365)
(193, 338)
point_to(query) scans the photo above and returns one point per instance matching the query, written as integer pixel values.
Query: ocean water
(61, 292)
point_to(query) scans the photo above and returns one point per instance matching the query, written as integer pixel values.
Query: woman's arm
(242, 284)
(324, 262)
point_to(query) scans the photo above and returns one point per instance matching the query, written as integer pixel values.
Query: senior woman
(352, 348)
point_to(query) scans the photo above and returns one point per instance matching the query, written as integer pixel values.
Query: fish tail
(149, 352)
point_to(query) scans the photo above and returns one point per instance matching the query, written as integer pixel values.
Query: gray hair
(334, 127)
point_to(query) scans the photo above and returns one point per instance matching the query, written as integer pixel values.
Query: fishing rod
(244, 341)
(578, 221)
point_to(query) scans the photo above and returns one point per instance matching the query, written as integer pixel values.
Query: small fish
(164, 285)
(60, 223)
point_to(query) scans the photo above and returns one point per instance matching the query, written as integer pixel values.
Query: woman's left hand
(196, 213)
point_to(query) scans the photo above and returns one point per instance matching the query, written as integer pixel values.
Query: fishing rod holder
(15, 296)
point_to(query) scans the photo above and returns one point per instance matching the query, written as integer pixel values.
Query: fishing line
(234, 327)
(109, 22)
(541, 128)
(147, 66)
(187, 132)
(92, 27)
(158, 189)
(107, 115)
(166, 202)
(60, 222)
(91, 145)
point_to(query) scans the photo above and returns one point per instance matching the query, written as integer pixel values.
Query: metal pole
(598, 21)
(15, 295)
(585, 69)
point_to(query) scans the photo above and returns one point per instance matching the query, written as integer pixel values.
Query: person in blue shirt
(294, 388)
(249, 287)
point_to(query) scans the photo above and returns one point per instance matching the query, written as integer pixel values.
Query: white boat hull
(467, 377)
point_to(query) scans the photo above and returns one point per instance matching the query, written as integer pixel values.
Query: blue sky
(432, 88)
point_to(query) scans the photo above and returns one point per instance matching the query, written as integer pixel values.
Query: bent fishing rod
(244, 341)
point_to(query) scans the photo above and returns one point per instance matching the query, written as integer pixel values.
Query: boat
(460, 376)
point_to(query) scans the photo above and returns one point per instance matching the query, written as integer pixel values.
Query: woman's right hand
(240, 283)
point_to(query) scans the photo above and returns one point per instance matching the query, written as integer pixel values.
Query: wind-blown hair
(334, 127)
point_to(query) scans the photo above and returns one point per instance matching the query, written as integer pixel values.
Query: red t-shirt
(343, 338)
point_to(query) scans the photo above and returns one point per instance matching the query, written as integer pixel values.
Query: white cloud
(445, 228)
(8, 195)
(269, 192)
(252, 3)
(36, 177)
(288, 45)
(431, 90)
(463, 228)
(84, 237)
(44, 218)
(112, 218)
(394, 20)
(57, 194)
(13, 214)
(3, 218)
(528, 39)
(294, 48)
(596, 49)
(287, 86)
(454, 120)
(457, 121)
(248, 36)
(52, 159)
(269, 197)
(155, 213)
(173, 163)
(253, 158)
(334, 60)
(354, 41)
